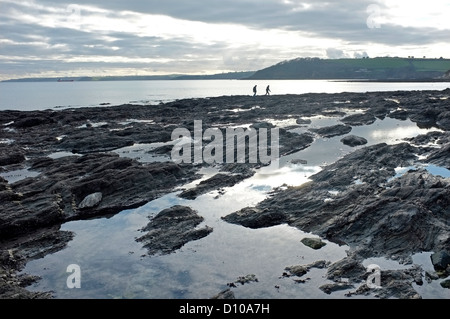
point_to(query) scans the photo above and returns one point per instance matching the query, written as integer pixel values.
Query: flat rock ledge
(171, 229)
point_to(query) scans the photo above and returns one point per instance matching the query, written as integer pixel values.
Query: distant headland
(373, 69)
(381, 69)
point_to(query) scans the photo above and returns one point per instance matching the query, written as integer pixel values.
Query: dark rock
(291, 142)
(443, 120)
(226, 294)
(430, 276)
(353, 140)
(246, 279)
(423, 139)
(302, 121)
(16, 253)
(171, 229)
(9, 159)
(298, 270)
(299, 161)
(399, 115)
(398, 284)
(330, 288)
(331, 131)
(91, 200)
(319, 264)
(359, 119)
(165, 149)
(254, 218)
(57, 194)
(314, 243)
(445, 284)
(301, 270)
(28, 122)
(11, 154)
(262, 125)
(440, 156)
(217, 181)
(440, 260)
(84, 141)
(426, 118)
(349, 268)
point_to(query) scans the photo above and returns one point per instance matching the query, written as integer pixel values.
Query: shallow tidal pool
(114, 265)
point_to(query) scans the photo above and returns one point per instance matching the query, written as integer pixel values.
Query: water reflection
(391, 131)
(114, 265)
(18, 175)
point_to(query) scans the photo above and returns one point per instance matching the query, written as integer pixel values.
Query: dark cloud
(28, 34)
(347, 20)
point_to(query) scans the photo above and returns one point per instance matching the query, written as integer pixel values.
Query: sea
(27, 96)
(111, 264)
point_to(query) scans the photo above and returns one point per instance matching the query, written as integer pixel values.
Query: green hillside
(382, 68)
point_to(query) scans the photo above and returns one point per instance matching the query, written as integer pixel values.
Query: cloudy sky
(97, 38)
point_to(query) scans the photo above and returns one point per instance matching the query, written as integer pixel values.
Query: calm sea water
(48, 95)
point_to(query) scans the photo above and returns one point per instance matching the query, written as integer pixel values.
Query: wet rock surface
(359, 119)
(330, 131)
(372, 212)
(14, 254)
(353, 140)
(171, 229)
(378, 217)
(69, 189)
(314, 243)
(217, 181)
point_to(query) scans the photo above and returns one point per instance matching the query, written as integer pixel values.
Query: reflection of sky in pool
(19, 174)
(326, 150)
(432, 169)
(114, 265)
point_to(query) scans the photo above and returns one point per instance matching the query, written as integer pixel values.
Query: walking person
(268, 90)
(254, 90)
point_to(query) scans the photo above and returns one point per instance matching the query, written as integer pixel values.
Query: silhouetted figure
(268, 90)
(254, 90)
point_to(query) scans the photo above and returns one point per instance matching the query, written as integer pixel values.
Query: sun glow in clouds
(420, 14)
(109, 36)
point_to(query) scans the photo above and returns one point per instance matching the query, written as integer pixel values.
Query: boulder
(440, 260)
(91, 200)
(171, 229)
(353, 140)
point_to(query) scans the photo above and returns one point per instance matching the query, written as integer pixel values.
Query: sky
(45, 38)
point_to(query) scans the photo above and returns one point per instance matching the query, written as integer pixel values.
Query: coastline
(426, 80)
(34, 208)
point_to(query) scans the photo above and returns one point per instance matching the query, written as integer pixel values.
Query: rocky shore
(372, 210)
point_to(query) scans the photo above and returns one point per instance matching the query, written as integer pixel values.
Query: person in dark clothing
(268, 90)
(254, 90)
